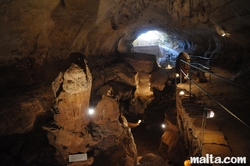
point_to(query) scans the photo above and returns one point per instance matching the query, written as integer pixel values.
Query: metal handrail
(208, 67)
(226, 109)
(223, 78)
(208, 94)
(205, 67)
(201, 57)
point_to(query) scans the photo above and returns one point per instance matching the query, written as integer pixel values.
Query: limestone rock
(114, 141)
(104, 132)
(106, 111)
(72, 91)
(124, 73)
(143, 94)
(141, 61)
(24, 113)
(160, 77)
(152, 160)
(199, 140)
(120, 72)
(76, 80)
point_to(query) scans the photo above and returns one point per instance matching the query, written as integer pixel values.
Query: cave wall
(36, 38)
(49, 30)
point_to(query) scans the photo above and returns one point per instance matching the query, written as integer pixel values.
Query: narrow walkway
(236, 100)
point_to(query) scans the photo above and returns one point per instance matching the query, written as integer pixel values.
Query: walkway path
(236, 100)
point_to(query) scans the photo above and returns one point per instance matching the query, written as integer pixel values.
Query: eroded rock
(152, 159)
(114, 141)
(21, 116)
(72, 91)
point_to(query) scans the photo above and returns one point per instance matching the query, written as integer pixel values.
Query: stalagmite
(72, 91)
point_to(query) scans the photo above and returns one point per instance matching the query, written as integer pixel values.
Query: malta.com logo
(210, 159)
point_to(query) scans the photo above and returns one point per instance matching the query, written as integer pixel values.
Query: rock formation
(74, 131)
(36, 38)
(69, 134)
(114, 143)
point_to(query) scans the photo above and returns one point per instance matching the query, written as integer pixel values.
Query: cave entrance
(159, 44)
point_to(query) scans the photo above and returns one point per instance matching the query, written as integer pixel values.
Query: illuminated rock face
(48, 31)
(114, 142)
(143, 94)
(104, 134)
(143, 64)
(72, 91)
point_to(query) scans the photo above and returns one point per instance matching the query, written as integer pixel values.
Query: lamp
(181, 93)
(187, 163)
(209, 113)
(91, 111)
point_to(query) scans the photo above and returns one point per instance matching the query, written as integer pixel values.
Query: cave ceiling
(53, 29)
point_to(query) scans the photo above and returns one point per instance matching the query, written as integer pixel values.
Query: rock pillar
(143, 94)
(69, 133)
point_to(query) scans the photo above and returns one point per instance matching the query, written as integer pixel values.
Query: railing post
(210, 69)
(190, 81)
(180, 76)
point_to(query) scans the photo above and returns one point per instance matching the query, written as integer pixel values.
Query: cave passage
(60, 58)
(161, 45)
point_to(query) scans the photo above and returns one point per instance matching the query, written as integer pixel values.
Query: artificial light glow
(139, 121)
(187, 163)
(177, 75)
(209, 112)
(223, 35)
(91, 111)
(181, 93)
(163, 126)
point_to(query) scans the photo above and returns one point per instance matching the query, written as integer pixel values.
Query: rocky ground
(32, 147)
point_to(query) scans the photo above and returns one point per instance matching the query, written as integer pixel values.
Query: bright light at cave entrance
(91, 111)
(150, 35)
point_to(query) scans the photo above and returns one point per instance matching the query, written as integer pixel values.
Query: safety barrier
(202, 62)
(208, 94)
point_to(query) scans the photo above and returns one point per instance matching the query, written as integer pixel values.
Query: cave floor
(147, 138)
(22, 148)
(234, 99)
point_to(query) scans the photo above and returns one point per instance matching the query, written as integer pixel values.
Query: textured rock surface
(104, 135)
(143, 93)
(21, 113)
(209, 140)
(49, 31)
(152, 159)
(114, 143)
(63, 26)
(72, 91)
(37, 36)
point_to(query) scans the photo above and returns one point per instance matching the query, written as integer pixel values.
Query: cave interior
(79, 79)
